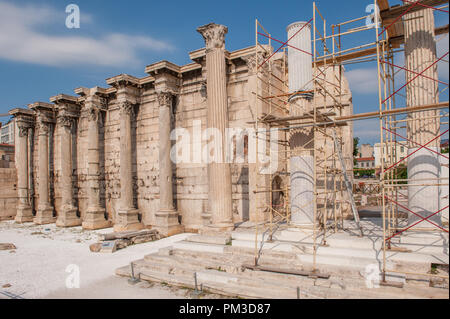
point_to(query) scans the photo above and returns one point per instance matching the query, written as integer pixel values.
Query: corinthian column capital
(126, 107)
(23, 129)
(165, 98)
(93, 113)
(43, 126)
(214, 35)
(65, 120)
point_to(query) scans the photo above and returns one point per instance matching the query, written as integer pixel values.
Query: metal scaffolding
(328, 118)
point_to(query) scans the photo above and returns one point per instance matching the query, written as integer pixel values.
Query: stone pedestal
(128, 215)
(167, 224)
(24, 212)
(95, 214)
(45, 210)
(220, 190)
(67, 216)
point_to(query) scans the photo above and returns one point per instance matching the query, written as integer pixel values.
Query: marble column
(30, 167)
(423, 165)
(95, 213)
(24, 211)
(127, 218)
(166, 218)
(44, 214)
(67, 216)
(220, 187)
(302, 142)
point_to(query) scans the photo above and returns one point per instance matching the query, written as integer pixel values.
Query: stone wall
(190, 180)
(8, 193)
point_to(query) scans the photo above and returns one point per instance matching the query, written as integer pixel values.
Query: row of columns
(67, 109)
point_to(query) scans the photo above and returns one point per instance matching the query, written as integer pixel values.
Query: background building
(365, 150)
(365, 162)
(401, 151)
(7, 133)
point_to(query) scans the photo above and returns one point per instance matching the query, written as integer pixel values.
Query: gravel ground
(37, 268)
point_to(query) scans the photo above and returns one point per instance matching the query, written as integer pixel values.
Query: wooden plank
(347, 57)
(441, 30)
(383, 4)
(288, 271)
(400, 39)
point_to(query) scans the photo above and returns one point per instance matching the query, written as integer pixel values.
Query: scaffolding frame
(273, 94)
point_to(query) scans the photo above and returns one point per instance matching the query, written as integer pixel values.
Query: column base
(95, 219)
(166, 223)
(128, 221)
(68, 218)
(44, 216)
(24, 215)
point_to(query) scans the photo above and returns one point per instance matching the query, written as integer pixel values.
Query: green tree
(355, 149)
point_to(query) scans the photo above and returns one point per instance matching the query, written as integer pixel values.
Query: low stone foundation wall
(8, 193)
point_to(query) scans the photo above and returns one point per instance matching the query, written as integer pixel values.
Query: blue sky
(40, 57)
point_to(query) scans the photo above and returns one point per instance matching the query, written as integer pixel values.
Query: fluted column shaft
(220, 187)
(420, 53)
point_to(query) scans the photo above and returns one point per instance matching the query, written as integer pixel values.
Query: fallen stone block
(7, 246)
(143, 239)
(95, 248)
(130, 234)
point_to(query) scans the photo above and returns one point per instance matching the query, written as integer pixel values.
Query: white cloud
(21, 41)
(368, 131)
(363, 81)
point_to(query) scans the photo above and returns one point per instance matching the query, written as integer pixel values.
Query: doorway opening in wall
(278, 196)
